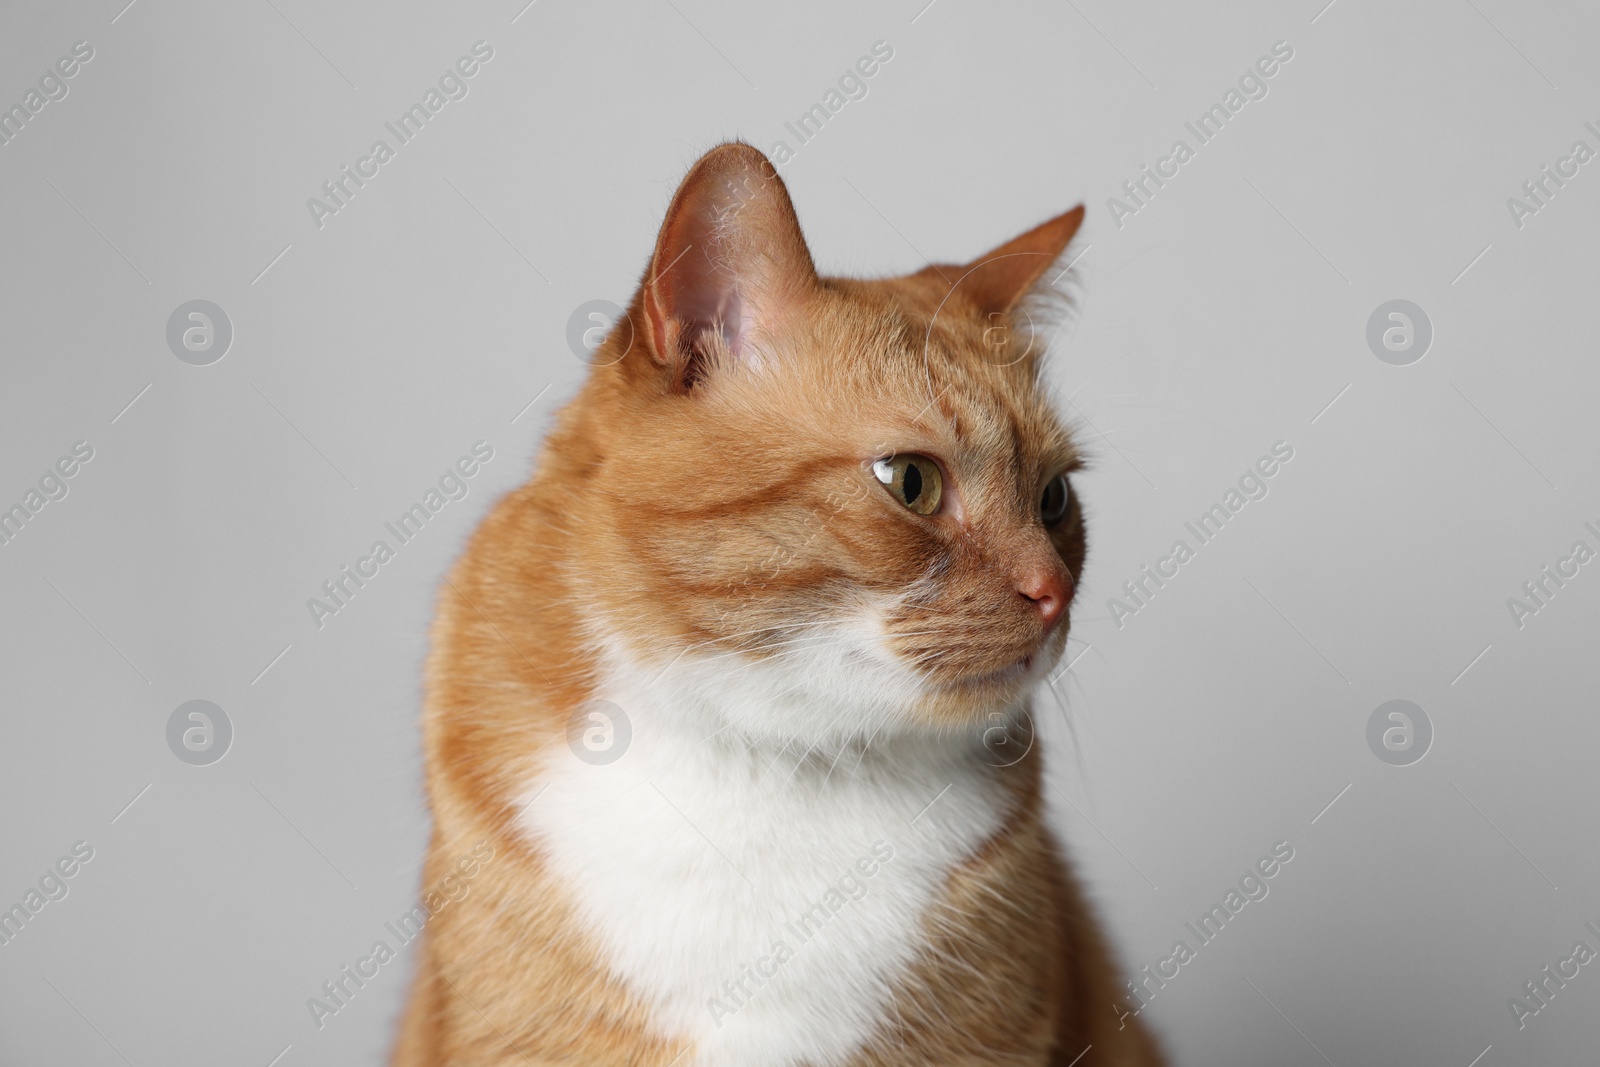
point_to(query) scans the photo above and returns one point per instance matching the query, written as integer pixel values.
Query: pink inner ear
(730, 257)
(703, 280)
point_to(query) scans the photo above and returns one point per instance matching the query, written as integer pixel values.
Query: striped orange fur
(707, 544)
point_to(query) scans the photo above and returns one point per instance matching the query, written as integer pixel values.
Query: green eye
(912, 480)
(1053, 504)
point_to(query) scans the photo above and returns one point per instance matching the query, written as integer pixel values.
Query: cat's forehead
(933, 363)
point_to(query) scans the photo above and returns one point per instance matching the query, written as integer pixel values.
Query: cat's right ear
(730, 266)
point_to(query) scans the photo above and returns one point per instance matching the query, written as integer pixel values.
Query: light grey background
(1226, 315)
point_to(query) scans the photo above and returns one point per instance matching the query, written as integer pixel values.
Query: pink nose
(1049, 589)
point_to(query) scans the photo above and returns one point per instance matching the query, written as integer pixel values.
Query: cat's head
(823, 506)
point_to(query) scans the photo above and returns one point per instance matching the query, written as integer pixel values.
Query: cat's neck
(808, 718)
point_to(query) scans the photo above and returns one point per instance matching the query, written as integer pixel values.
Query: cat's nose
(1048, 588)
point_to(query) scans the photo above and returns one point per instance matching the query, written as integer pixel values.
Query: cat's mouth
(974, 665)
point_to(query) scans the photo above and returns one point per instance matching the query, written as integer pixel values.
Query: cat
(735, 686)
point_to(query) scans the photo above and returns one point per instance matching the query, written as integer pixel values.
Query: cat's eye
(913, 480)
(1057, 497)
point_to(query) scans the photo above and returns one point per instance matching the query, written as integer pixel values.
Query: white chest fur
(762, 904)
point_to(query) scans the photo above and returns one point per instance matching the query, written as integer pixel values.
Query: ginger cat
(734, 687)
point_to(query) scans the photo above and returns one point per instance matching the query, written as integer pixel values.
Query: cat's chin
(977, 696)
(1007, 677)
(962, 699)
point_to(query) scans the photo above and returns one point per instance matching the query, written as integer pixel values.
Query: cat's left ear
(998, 280)
(730, 264)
